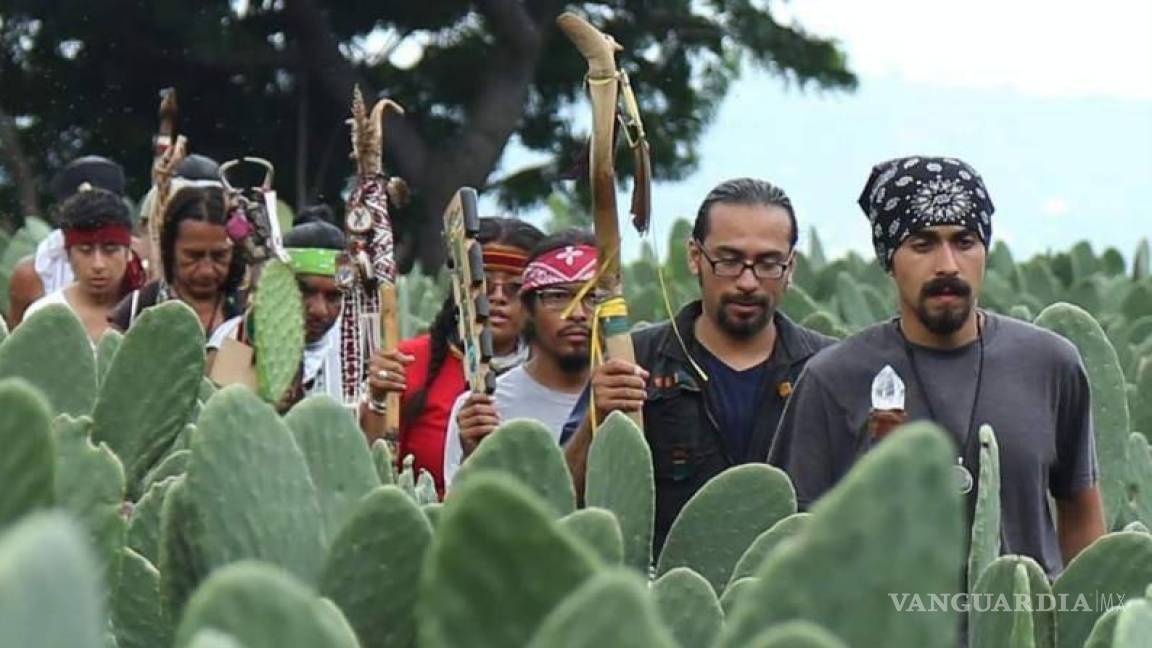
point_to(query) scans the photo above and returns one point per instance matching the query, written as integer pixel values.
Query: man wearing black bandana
(944, 359)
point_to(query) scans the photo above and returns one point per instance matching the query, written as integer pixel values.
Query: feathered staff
(606, 87)
(366, 271)
(168, 150)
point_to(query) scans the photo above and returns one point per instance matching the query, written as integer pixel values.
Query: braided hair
(443, 332)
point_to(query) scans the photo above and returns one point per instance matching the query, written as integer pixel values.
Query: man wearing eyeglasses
(713, 381)
(558, 330)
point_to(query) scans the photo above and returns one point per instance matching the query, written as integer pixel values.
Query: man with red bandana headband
(97, 229)
(547, 386)
(428, 371)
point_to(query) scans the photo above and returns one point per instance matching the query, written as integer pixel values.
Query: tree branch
(511, 23)
(18, 168)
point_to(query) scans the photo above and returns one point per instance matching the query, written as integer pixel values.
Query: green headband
(316, 261)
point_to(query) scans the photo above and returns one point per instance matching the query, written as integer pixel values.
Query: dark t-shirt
(1034, 394)
(735, 399)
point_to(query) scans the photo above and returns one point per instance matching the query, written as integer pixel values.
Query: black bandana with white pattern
(905, 195)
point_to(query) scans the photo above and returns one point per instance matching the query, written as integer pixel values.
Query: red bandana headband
(114, 234)
(569, 264)
(504, 258)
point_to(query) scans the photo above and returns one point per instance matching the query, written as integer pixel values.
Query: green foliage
(51, 351)
(796, 634)
(899, 495)
(139, 430)
(374, 565)
(263, 607)
(1010, 577)
(619, 478)
(49, 586)
(1109, 397)
(599, 528)
(339, 462)
(499, 565)
(527, 450)
(610, 609)
(27, 467)
(278, 328)
(251, 494)
(723, 518)
(763, 545)
(1140, 478)
(689, 606)
(1119, 564)
(985, 544)
(106, 350)
(138, 616)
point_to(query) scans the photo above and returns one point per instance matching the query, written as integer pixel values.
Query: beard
(949, 319)
(743, 329)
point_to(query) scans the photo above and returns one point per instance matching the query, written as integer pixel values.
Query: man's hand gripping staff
(606, 87)
(366, 271)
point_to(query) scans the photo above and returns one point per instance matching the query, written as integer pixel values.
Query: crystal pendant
(887, 390)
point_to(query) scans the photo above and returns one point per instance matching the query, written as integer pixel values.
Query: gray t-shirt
(1034, 393)
(517, 395)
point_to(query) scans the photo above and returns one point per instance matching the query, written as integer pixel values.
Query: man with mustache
(547, 386)
(713, 381)
(944, 359)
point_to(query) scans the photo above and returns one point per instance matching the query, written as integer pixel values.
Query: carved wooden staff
(466, 273)
(168, 150)
(367, 269)
(606, 86)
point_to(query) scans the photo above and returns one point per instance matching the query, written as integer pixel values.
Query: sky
(1050, 101)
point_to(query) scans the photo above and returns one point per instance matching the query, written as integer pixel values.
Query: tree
(274, 78)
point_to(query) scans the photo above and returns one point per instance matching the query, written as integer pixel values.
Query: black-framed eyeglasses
(733, 268)
(557, 299)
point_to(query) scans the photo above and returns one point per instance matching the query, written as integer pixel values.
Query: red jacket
(423, 437)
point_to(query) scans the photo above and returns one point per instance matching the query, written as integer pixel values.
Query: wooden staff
(469, 289)
(168, 150)
(367, 269)
(606, 84)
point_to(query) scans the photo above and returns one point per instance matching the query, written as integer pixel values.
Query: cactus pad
(689, 606)
(985, 545)
(599, 528)
(620, 478)
(138, 617)
(763, 545)
(1118, 564)
(526, 450)
(27, 464)
(278, 327)
(611, 609)
(52, 352)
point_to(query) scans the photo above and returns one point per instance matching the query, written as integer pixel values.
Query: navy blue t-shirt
(735, 400)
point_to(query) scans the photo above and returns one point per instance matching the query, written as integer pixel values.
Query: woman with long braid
(427, 369)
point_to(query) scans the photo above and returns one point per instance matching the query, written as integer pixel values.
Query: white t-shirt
(51, 262)
(517, 395)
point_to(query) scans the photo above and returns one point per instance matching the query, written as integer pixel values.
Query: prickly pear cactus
(338, 460)
(989, 626)
(270, 514)
(1133, 625)
(27, 464)
(985, 545)
(384, 463)
(688, 605)
(1119, 564)
(51, 351)
(1109, 397)
(1103, 630)
(89, 482)
(106, 350)
(263, 607)
(763, 545)
(599, 528)
(144, 526)
(499, 565)
(619, 478)
(50, 595)
(797, 634)
(432, 512)
(176, 463)
(278, 327)
(723, 518)
(180, 564)
(425, 489)
(373, 566)
(899, 495)
(1140, 476)
(611, 609)
(138, 617)
(139, 430)
(3, 329)
(526, 450)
